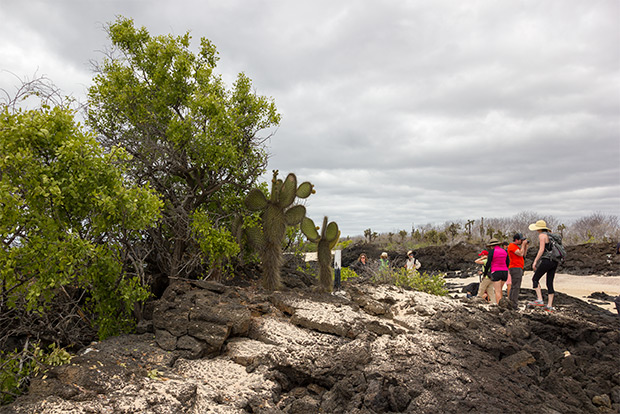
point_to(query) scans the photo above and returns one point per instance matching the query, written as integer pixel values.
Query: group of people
(361, 265)
(505, 266)
(502, 266)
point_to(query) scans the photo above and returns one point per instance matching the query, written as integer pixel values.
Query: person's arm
(542, 240)
(487, 265)
(523, 250)
(480, 260)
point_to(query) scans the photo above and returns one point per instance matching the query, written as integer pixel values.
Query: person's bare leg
(498, 286)
(550, 304)
(538, 290)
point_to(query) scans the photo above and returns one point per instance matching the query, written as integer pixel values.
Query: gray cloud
(398, 112)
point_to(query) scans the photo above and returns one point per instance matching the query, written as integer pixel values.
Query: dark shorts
(499, 275)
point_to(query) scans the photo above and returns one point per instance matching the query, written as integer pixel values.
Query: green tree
(195, 141)
(432, 236)
(68, 219)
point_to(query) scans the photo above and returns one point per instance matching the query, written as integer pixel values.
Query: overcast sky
(400, 112)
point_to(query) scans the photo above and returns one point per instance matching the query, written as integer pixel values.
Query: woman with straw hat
(543, 264)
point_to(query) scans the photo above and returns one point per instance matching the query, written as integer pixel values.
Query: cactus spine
(277, 213)
(325, 243)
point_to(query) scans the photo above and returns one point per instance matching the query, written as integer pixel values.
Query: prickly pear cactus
(277, 212)
(325, 243)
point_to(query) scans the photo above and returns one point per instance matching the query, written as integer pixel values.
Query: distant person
(543, 265)
(485, 290)
(412, 264)
(497, 265)
(360, 266)
(384, 262)
(618, 248)
(517, 250)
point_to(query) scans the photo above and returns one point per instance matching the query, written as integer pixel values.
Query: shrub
(16, 368)
(422, 282)
(346, 274)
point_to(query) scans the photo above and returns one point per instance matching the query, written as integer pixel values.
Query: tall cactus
(277, 212)
(325, 243)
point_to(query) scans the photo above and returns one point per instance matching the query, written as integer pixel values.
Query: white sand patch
(576, 286)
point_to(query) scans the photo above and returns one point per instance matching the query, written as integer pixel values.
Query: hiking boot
(535, 303)
(549, 309)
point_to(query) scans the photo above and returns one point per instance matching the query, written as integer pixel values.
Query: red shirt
(515, 259)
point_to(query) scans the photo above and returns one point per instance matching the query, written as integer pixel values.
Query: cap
(483, 253)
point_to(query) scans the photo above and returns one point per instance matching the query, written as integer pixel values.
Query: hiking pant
(545, 266)
(486, 285)
(516, 274)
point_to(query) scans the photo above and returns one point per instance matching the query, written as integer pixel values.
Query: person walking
(517, 250)
(497, 264)
(543, 265)
(485, 290)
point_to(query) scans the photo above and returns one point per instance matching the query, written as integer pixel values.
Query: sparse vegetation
(595, 228)
(422, 282)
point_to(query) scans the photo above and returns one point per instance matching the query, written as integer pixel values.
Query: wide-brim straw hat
(539, 225)
(493, 242)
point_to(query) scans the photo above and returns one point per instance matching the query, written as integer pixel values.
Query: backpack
(558, 252)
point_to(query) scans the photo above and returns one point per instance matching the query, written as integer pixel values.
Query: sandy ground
(577, 286)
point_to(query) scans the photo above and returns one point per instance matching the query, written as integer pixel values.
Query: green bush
(68, 218)
(346, 274)
(16, 368)
(422, 282)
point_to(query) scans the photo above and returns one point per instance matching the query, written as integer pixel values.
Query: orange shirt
(515, 260)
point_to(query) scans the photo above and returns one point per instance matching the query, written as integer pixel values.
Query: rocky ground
(210, 348)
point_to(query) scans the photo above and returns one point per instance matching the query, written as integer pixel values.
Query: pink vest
(499, 259)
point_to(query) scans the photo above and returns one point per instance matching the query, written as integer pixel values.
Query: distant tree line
(594, 228)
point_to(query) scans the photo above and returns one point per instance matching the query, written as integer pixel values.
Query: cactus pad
(331, 232)
(256, 200)
(309, 230)
(287, 193)
(295, 214)
(305, 189)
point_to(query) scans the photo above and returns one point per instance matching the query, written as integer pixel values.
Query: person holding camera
(516, 254)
